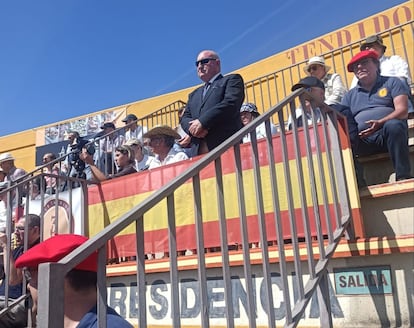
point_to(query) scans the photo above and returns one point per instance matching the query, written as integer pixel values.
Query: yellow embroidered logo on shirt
(383, 92)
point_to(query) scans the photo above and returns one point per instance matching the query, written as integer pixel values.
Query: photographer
(76, 163)
(72, 137)
(124, 159)
(75, 166)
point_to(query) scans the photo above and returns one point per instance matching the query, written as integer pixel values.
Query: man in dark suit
(212, 113)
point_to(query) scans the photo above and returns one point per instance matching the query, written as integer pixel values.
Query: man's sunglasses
(313, 68)
(204, 61)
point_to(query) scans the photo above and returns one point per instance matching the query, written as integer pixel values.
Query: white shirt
(334, 88)
(108, 145)
(299, 113)
(136, 134)
(145, 163)
(173, 156)
(261, 132)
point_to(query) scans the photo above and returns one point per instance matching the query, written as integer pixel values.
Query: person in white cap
(12, 172)
(248, 112)
(142, 159)
(334, 86)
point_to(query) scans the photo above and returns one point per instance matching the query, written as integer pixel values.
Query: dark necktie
(206, 87)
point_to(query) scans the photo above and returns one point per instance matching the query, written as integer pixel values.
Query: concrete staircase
(388, 206)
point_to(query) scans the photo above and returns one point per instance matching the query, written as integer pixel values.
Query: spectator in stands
(124, 159)
(248, 112)
(67, 168)
(212, 111)
(80, 290)
(12, 172)
(107, 146)
(50, 168)
(36, 186)
(133, 130)
(334, 87)
(17, 316)
(379, 106)
(389, 65)
(142, 160)
(161, 142)
(317, 88)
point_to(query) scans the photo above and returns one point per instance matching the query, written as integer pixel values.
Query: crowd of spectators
(376, 109)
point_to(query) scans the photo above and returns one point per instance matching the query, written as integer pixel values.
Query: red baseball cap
(54, 249)
(359, 56)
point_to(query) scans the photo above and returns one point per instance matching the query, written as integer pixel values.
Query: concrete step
(388, 209)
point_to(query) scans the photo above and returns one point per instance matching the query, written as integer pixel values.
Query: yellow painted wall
(337, 47)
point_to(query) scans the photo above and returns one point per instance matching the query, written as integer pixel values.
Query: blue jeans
(391, 138)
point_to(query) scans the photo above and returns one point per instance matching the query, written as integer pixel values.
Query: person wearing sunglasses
(334, 86)
(212, 111)
(17, 316)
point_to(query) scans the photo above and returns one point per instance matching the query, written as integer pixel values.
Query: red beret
(359, 56)
(54, 249)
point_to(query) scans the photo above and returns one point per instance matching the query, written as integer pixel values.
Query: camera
(78, 164)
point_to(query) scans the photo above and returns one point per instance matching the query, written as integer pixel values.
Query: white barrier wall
(369, 291)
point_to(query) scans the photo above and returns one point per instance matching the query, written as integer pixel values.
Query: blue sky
(63, 59)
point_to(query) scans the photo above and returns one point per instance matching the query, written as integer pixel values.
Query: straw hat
(162, 130)
(317, 60)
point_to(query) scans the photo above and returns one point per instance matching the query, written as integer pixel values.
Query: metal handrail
(51, 274)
